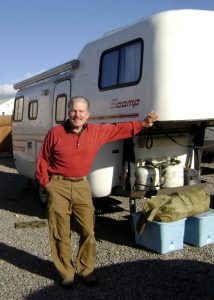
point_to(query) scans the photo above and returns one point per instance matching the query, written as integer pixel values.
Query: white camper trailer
(164, 63)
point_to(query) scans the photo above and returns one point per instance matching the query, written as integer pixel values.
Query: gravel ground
(125, 270)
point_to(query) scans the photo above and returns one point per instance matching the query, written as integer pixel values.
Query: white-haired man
(64, 161)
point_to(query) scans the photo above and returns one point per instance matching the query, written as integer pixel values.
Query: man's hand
(150, 119)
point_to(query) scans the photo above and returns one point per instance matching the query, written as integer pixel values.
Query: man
(64, 160)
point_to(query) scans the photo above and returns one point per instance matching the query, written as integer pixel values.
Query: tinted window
(121, 66)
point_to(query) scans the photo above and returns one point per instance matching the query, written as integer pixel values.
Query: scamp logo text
(115, 103)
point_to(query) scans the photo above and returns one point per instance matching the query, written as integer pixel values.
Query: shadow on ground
(18, 197)
(142, 279)
(154, 279)
(207, 171)
(27, 261)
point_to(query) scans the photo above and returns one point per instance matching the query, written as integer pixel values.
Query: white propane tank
(172, 174)
(191, 176)
(147, 177)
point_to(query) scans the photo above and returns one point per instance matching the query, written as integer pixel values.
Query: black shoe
(68, 284)
(89, 280)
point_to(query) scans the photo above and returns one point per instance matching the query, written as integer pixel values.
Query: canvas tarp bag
(173, 207)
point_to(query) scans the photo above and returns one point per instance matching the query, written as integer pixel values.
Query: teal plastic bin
(199, 229)
(160, 237)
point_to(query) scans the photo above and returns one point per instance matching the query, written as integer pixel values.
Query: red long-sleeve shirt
(69, 154)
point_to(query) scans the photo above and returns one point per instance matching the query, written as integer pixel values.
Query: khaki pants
(68, 198)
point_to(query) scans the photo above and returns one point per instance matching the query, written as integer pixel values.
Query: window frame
(29, 105)
(22, 112)
(119, 48)
(66, 101)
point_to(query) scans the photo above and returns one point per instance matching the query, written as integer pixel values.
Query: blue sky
(38, 35)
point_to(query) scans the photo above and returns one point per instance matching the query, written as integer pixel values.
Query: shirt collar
(68, 127)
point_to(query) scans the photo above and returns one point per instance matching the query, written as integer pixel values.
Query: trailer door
(62, 94)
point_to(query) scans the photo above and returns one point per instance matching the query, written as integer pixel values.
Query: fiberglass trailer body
(164, 63)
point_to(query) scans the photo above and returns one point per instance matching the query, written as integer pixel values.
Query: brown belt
(73, 179)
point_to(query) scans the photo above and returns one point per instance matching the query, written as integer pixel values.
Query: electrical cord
(149, 139)
(173, 140)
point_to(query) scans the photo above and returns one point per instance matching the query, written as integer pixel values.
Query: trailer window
(18, 109)
(121, 66)
(60, 113)
(33, 110)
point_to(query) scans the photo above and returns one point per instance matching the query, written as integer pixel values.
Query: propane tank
(147, 177)
(191, 176)
(172, 174)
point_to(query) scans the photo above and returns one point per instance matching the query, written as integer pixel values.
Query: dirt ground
(125, 270)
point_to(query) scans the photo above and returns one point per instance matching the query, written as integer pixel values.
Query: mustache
(77, 118)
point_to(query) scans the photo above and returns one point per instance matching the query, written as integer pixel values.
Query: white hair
(78, 99)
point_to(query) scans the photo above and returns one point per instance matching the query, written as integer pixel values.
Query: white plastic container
(173, 176)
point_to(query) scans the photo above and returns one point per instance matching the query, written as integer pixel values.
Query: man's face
(78, 114)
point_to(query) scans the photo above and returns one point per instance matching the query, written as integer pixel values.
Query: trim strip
(27, 139)
(18, 148)
(107, 117)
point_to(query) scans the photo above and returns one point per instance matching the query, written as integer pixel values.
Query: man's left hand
(150, 119)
